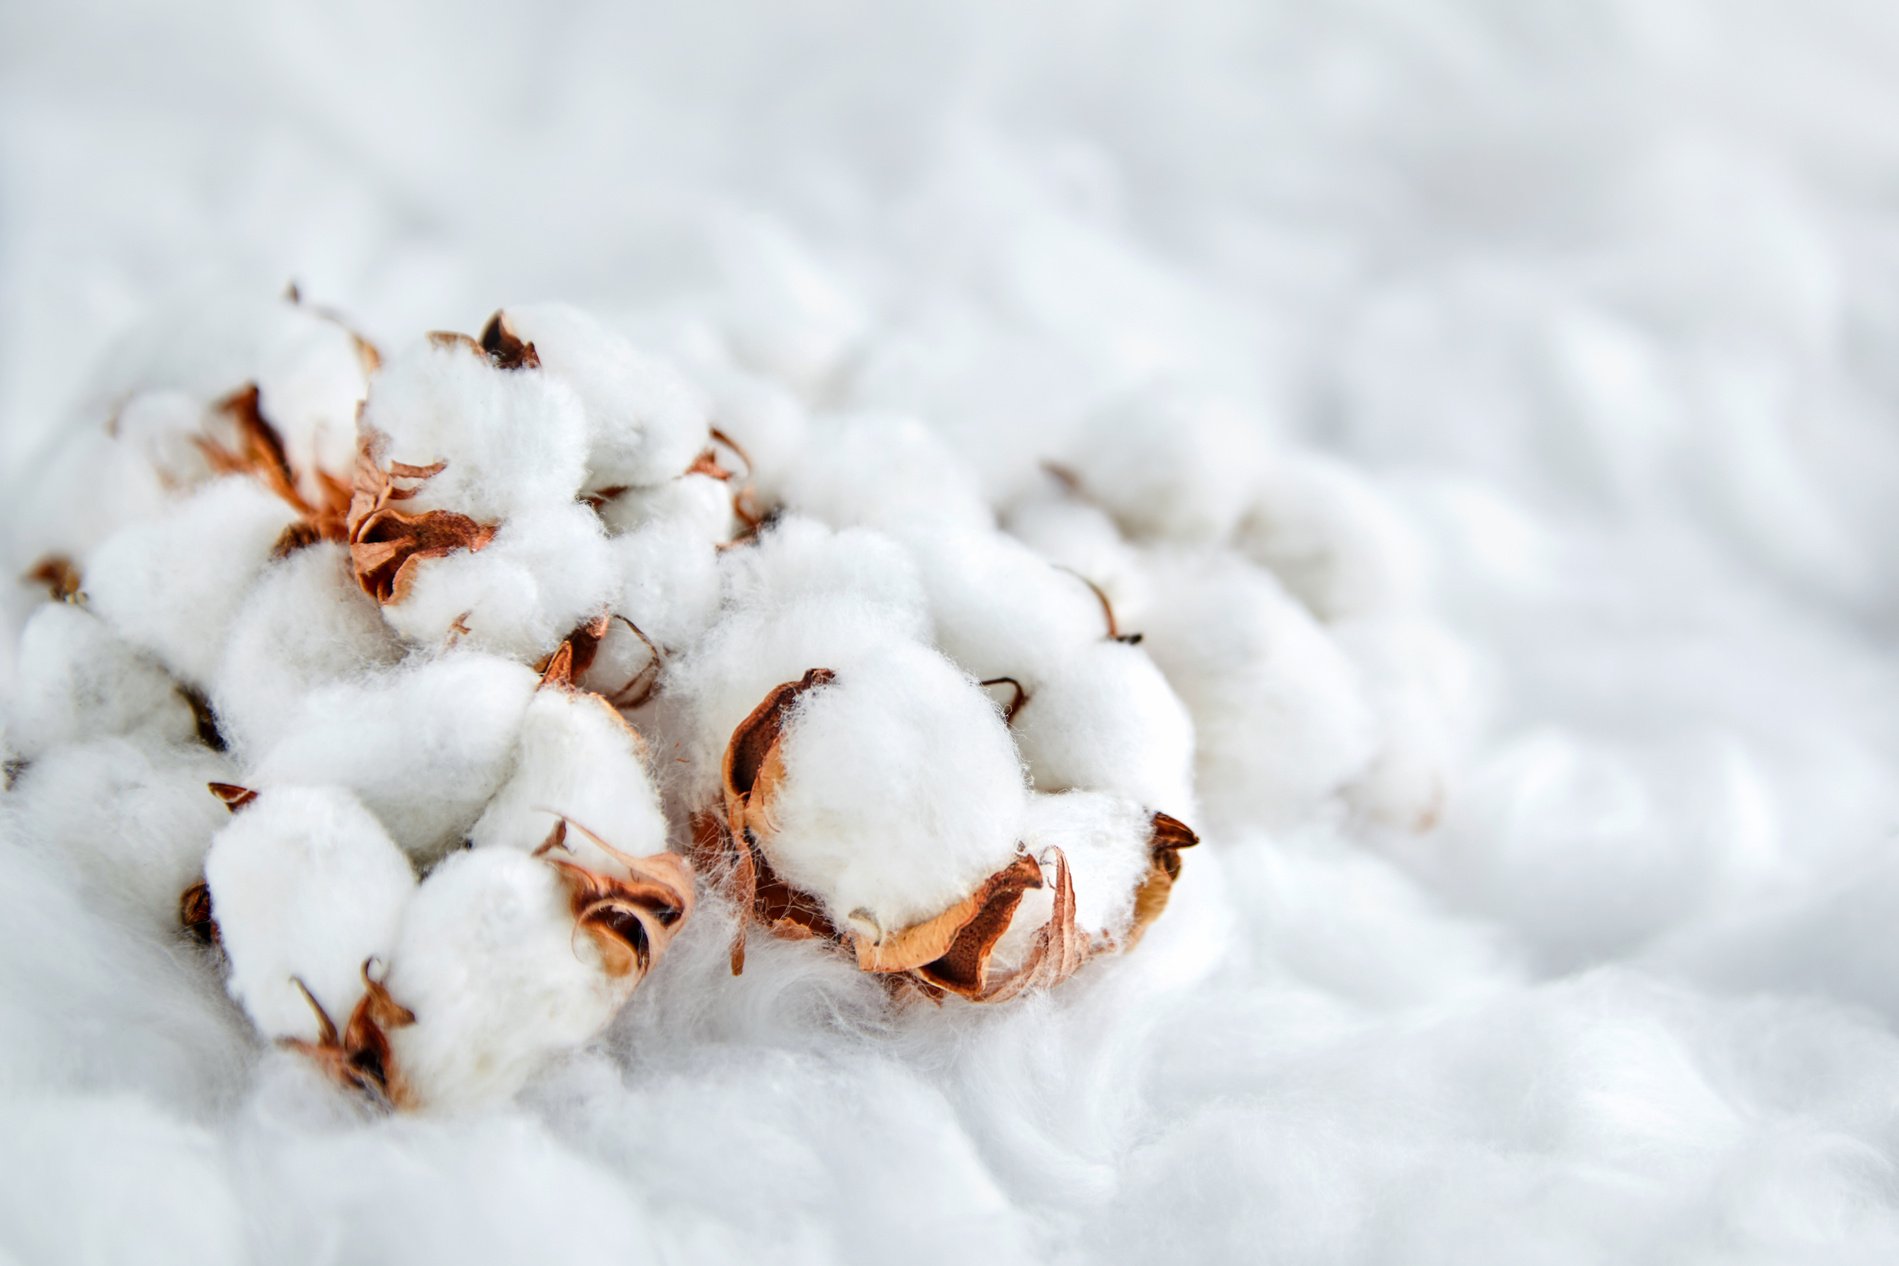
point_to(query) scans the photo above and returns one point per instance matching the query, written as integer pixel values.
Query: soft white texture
(1105, 839)
(901, 790)
(1104, 719)
(305, 886)
(1332, 539)
(79, 680)
(669, 582)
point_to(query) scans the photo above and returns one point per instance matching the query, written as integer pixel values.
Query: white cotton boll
(423, 746)
(160, 427)
(575, 756)
(646, 421)
(1107, 842)
(882, 472)
(764, 419)
(303, 624)
(1105, 719)
(546, 572)
(1168, 464)
(79, 680)
(174, 585)
(489, 961)
(132, 820)
(901, 790)
(799, 559)
(1084, 539)
(998, 608)
(305, 884)
(1332, 538)
(310, 380)
(1424, 688)
(669, 582)
(513, 440)
(1279, 713)
(700, 503)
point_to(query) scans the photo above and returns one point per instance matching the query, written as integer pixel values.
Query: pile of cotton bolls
(425, 691)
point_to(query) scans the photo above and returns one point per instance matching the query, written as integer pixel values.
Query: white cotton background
(1600, 301)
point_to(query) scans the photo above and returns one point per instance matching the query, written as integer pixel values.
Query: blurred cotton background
(1607, 296)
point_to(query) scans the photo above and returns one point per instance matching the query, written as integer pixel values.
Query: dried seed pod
(632, 916)
(1169, 836)
(360, 1057)
(385, 543)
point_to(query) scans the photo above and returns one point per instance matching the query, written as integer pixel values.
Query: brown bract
(632, 918)
(506, 348)
(947, 953)
(58, 574)
(386, 543)
(359, 1058)
(258, 451)
(194, 903)
(1168, 836)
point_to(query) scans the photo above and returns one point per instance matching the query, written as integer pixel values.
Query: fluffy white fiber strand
(1586, 306)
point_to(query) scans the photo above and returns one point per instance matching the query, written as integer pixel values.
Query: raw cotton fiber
(1308, 593)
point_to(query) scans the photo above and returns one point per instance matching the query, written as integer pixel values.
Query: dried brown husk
(59, 576)
(506, 348)
(195, 914)
(1165, 840)
(632, 918)
(259, 452)
(359, 1058)
(386, 544)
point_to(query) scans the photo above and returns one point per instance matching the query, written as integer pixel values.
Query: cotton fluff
(79, 680)
(1279, 713)
(547, 571)
(310, 379)
(174, 585)
(1106, 841)
(646, 423)
(901, 790)
(1332, 538)
(1105, 719)
(575, 756)
(999, 609)
(130, 817)
(305, 886)
(799, 560)
(1426, 692)
(699, 501)
(489, 961)
(881, 471)
(424, 747)
(668, 575)
(513, 439)
(304, 624)
(1084, 539)
(1168, 463)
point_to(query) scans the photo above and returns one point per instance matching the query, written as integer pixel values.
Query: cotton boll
(764, 419)
(513, 440)
(669, 582)
(306, 886)
(423, 746)
(1421, 683)
(1107, 842)
(310, 379)
(1104, 719)
(646, 422)
(1279, 713)
(546, 572)
(901, 790)
(998, 609)
(881, 472)
(799, 560)
(1082, 538)
(575, 757)
(160, 428)
(131, 818)
(79, 680)
(701, 503)
(1168, 464)
(489, 962)
(174, 585)
(1332, 539)
(305, 623)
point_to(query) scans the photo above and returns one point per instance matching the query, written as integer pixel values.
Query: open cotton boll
(881, 471)
(304, 623)
(310, 379)
(1084, 539)
(1107, 842)
(901, 790)
(646, 422)
(174, 584)
(799, 559)
(131, 818)
(77, 680)
(1332, 538)
(423, 746)
(306, 886)
(576, 757)
(669, 581)
(489, 962)
(763, 418)
(1167, 463)
(547, 571)
(513, 439)
(1279, 713)
(1105, 719)
(1424, 688)
(700, 503)
(998, 608)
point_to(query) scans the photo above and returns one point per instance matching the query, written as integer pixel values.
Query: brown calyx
(632, 918)
(1165, 840)
(259, 453)
(385, 543)
(506, 348)
(59, 576)
(360, 1057)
